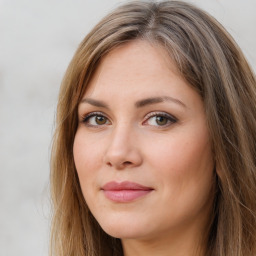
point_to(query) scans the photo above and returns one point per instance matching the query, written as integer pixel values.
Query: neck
(178, 245)
(189, 240)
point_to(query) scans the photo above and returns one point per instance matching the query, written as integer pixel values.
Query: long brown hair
(209, 59)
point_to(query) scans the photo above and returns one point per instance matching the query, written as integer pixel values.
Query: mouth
(125, 192)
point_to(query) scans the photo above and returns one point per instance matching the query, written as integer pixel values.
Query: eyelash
(170, 119)
(87, 117)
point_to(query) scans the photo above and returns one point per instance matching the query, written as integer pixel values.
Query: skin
(127, 141)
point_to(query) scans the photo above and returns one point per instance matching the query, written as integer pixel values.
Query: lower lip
(124, 196)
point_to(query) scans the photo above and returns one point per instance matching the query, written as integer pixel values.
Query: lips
(125, 191)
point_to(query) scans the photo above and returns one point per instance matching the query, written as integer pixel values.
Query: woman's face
(142, 149)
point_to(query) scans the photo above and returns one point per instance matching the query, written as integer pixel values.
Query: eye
(160, 119)
(95, 119)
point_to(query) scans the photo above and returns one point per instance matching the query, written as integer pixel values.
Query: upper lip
(125, 185)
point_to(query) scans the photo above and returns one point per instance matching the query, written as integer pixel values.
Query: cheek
(184, 167)
(87, 158)
(181, 153)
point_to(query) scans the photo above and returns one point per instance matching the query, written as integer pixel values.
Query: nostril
(109, 164)
(121, 165)
(127, 163)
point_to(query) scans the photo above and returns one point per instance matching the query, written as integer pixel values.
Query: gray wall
(37, 41)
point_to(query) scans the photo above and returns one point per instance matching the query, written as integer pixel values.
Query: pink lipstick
(125, 191)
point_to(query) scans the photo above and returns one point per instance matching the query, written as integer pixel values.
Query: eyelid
(86, 117)
(170, 117)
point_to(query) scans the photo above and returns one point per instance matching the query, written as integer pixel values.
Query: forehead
(133, 64)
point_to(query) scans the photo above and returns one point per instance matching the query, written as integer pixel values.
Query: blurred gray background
(37, 41)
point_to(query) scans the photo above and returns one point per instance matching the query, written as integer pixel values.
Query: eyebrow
(154, 100)
(138, 104)
(96, 103)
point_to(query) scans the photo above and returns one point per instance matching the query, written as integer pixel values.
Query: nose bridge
(122, 151)
(121, 139)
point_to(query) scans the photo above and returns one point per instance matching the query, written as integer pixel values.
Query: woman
(154, 151)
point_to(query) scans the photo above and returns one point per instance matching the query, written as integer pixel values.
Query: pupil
(100, 120)
(161, 120)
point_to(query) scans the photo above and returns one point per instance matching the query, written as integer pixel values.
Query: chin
(123, 229)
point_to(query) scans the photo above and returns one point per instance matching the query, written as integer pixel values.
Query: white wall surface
(37, 41)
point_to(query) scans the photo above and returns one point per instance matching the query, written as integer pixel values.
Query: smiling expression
(142, 149)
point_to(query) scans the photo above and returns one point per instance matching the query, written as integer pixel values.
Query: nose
(122, 150)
